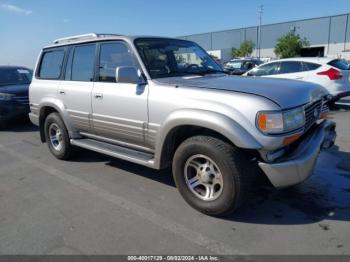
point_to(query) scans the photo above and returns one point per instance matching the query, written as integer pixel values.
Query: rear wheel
(211, 175)
(57, 137)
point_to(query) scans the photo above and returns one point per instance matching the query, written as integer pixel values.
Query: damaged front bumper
(299, 164)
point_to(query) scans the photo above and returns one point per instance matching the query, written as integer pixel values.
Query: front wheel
(57, 137)
(211, 175)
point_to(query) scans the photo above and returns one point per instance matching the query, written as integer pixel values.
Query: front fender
(222, 124)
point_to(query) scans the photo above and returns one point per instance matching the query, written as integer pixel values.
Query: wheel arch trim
(219, 123)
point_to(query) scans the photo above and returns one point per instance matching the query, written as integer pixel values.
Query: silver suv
(163, 102)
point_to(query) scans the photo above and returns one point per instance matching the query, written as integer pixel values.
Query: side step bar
(124, 153)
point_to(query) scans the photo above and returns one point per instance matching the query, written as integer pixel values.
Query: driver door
(119, 110)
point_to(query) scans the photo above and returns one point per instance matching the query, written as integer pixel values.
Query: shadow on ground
(19, 126)
(325, 196)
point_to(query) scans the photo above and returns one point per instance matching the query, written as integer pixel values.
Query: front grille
(312, 113)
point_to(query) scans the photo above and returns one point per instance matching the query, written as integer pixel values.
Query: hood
(18, 90)
(285, 93)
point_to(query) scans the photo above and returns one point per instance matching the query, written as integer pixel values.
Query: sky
(28, 25)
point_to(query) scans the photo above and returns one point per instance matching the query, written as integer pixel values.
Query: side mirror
(127, 74)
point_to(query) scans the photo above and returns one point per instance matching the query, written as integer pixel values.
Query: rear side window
(311, 66)
(290, 67)
(113, 55)
(340, 64)
(51, 64)
(81, 63)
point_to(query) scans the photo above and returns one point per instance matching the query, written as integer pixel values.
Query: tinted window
(82, 63)
(290, 67)
(340, 64)
(113, 55)
(51, 64)
(13, 76)
(268, 69)
(311, 66)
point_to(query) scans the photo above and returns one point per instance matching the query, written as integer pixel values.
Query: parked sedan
(332, 74)
(14, 84)
(240, 66)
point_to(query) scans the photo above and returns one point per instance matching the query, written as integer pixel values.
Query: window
(15, 76)
(268, 69)
(340, 64)
(290, 67)
(311, 66)
(174, 57)
(234, 65)
(113, 55)
(80, 66)
(51, 64)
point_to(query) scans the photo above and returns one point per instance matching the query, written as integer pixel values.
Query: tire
(62, 149)
(228, 162)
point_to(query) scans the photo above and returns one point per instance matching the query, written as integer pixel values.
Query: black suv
(14, 85)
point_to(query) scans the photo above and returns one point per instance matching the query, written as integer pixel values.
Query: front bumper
(299, 164)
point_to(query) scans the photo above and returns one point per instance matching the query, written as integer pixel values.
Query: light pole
(260, 13)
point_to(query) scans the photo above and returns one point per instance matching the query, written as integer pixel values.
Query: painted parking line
(171, 226)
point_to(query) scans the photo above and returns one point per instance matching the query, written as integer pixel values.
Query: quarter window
(311, 66)
(113, 55)
(290, 67)
(80, 65)
(51, 64)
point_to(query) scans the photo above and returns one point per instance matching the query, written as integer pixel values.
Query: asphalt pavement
(95, 204)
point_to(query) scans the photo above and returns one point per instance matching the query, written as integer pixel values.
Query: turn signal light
(291, 139)
(324, 115)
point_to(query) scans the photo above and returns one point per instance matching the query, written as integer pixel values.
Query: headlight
(5, 96)
(270, 122)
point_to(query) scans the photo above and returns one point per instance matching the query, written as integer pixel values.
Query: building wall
(332, 33)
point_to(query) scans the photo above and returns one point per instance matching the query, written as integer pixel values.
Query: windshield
(234, 65)
(15, 76)
(172, 57)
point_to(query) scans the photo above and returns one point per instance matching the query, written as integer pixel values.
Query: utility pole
(260, 13)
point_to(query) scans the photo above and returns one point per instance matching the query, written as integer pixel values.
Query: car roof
(320, 60)
(101, 37)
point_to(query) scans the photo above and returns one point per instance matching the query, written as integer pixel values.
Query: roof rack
(82, 37)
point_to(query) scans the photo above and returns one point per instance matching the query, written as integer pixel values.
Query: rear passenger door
(119, 109)
(75, 90)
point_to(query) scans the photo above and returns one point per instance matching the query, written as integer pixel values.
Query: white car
(332, 74)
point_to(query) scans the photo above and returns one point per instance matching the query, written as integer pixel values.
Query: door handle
(98, 96)
(61, 92)
(299, 77)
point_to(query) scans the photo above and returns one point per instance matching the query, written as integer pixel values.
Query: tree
(246, 49)
(290, 45)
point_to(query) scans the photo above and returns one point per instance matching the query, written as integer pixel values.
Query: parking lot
(99, 205)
